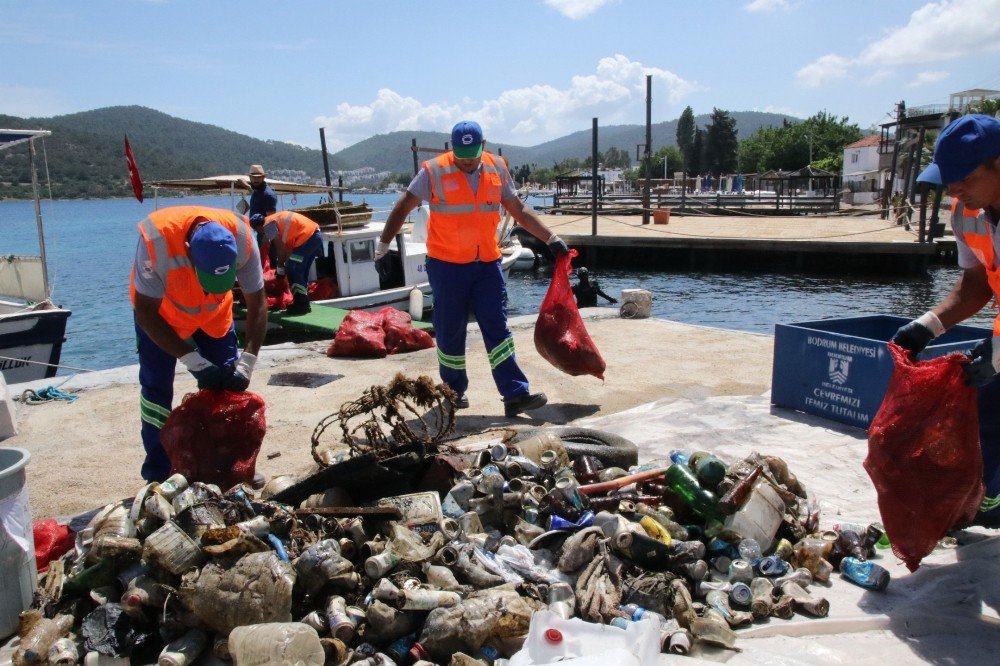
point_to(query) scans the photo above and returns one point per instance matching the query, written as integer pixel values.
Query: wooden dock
(822, 243)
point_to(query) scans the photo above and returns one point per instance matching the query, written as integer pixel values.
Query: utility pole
(648, 154)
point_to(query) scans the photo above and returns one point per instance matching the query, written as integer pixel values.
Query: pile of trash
(527, 552)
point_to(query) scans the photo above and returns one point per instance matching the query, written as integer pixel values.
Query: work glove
(985, 363)
(916, 335)
(239, 380)
(614, 301)
(209, 375)
(279, 271)
(557, 246)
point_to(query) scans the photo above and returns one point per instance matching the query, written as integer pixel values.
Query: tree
(721, 144)
(990, 107)
(818, 140)
(674, 159)
(685, 133)
(695, 160)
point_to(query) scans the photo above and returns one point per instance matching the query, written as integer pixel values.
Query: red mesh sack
(400, 335)
(360, 336)
(276, 291)
(215, 436)
(923, 453)
(52, 541)
(560, 336)
(322, 289)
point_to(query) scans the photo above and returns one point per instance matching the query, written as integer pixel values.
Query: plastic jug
(552, 638)
(760, 516)
(276, 643)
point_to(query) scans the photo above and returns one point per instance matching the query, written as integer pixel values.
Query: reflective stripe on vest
(976, 232)
(294, 228)
(463, 224)
(185, 305)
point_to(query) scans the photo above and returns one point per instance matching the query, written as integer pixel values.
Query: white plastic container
(18, 573)
(636, 304)
(552, 638)
(760, 516)
(276, 643)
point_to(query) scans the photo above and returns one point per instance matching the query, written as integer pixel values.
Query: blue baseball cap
(213, 253)
(467, 140)
(961, 148)
(256, 220)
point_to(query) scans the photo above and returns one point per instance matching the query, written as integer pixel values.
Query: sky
(527, 70)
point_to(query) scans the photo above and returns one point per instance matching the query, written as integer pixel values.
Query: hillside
(391, 152)
(86, 152)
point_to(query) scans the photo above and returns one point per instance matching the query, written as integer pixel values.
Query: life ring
(612, 450)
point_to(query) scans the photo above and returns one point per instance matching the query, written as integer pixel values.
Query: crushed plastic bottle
(276, 643)
(865, 574)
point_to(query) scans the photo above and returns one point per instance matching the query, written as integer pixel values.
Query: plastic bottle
(760, 516)
(719, 600)
(802, 576)
(36, 644)
(532, 447)
(276, 643)
(399, 650)
(708, 468)
(63, 653)
(682, 482)
(749, 550)
(865, 574)
(184, 650)
(680, 456)
(142, 592)
(562, 600)
(655, 529)
(712, 628)
(810, 553)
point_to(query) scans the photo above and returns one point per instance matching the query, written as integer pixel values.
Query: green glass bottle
(684, 484)
(708, 468)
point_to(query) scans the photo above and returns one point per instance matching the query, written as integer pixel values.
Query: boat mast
(38, 214)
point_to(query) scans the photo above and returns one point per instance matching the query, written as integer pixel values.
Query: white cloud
(927, 77)
(878, 76)
(577, 9)
(936, 32)
(766, 5)
(823, 70)
(786, 110)
(615, 93)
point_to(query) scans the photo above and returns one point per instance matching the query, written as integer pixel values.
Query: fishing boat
(32, 328)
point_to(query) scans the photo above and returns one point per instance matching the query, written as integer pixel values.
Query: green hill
(86, 150)
(391, 152)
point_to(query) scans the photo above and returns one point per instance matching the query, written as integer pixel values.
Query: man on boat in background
(967, 160)
(186, 263)
(465, 188)
(298, 242)
(264, 202)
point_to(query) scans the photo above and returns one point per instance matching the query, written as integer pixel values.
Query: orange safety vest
(294, 228)
(185, 305)
(463, 226)
(975, 231)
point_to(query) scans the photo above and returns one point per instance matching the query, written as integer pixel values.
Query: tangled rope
(42, 395)
(380, 420)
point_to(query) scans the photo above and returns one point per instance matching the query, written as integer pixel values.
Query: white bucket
(18, 572)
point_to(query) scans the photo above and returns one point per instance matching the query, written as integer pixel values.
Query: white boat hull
(30, 341)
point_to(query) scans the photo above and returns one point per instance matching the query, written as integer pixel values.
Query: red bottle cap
(553, 636)
(418, 652)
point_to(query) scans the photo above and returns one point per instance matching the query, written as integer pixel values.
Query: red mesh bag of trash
(923, 453)
(560, 336)
(322, 289)
(52, 541)
(215, 436)
(360, 336)
(276, 290)
(400, 335)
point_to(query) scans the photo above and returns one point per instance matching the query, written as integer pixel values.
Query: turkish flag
(133, 171)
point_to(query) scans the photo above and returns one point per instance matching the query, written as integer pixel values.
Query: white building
(860, 173)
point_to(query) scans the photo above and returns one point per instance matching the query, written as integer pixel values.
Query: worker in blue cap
(967, 160)
(186, 264)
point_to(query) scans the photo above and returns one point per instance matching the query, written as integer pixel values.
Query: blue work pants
(478, 288)
(989, 440)
(300, 260)
(156, 379)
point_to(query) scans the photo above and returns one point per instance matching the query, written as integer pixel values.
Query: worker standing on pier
(298, 242)
(185, 266)
(465, 188)
(967, 160)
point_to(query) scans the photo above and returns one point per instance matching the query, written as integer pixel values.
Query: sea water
(91, 243)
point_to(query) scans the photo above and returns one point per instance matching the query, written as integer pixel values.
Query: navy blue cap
(467, 139)
(213, 253)
(962, 147)
(256, 219)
